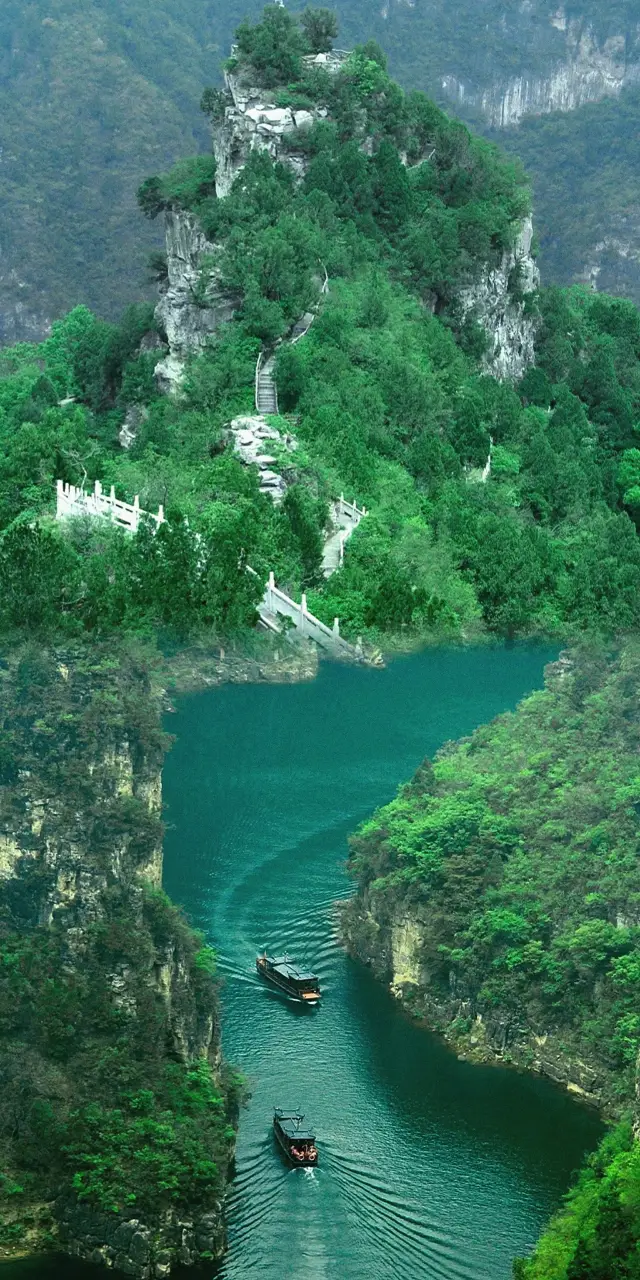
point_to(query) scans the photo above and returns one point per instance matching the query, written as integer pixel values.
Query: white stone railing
(350, 509)
(73, 501)
(277, 602)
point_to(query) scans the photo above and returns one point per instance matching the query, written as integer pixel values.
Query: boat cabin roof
(292, 1125)
(289, 970)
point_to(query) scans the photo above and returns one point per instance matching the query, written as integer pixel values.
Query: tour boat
(297, 1140)
(298, 984)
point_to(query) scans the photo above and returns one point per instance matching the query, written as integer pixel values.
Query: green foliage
(272, 47)
(320, 28)
(520, 846)
(96, 1104)
(188, 184)
(390, 402)
(596, 1236)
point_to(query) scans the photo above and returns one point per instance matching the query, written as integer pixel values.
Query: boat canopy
(291, 1123)
(290, 970)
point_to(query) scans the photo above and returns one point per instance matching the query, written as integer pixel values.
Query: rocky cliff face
(391, 942)
(613, 265)
(80, 871)
(192, 303)
(498, 302)
(580, 65)
(251, 120)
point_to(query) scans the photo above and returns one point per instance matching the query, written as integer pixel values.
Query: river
(429, 1167)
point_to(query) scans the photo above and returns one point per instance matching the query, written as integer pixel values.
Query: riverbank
(496, 892)
(391, 950)
(117, 1118)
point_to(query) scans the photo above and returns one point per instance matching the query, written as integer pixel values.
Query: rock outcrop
(585, 67)
(497, 301)
(252, 120)
(192, 304)
(613, 265)
(80, 863)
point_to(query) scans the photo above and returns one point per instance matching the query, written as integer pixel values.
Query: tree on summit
(273, 47)
(320, 28)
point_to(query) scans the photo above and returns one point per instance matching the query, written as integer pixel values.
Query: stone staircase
(266, 391)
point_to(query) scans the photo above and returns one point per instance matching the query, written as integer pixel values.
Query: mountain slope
(90, 101)
(93, 99)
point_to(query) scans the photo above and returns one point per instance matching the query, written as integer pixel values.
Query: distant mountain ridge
(92, 100)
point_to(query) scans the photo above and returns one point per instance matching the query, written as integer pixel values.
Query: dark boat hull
(297, 1164)
(276, 981)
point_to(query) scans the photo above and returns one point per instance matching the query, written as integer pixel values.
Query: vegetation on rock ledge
(107, 997)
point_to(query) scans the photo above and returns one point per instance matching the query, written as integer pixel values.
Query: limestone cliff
(570, 63)
(391, 942)
(613, 264)
(497, 300)
(103, 998)
(194, 303)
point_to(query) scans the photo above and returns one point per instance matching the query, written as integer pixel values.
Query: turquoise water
(429, 1167)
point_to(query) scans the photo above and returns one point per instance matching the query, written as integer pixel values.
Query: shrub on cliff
(519, 857)
(596, 1236)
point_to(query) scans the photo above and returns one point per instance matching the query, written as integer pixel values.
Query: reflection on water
(428, 1167)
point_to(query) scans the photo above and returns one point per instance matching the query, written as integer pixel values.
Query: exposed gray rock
(490, 300)
(129, 1246)
(252, 121)
(252, 439)
(192, 305)
(613, 265)
(134, 417)
(588, 69)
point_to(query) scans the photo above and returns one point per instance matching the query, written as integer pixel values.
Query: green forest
(518, 844)
(388, 401)
(584, 167)
(517, 850)
(92, 99)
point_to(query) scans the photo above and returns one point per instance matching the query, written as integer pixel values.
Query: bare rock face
(613, 265)
(130, 1246)
(253, 440)
(588, 69)
(253, 121)
(192, 305)
(80, 850)
(495, 301)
